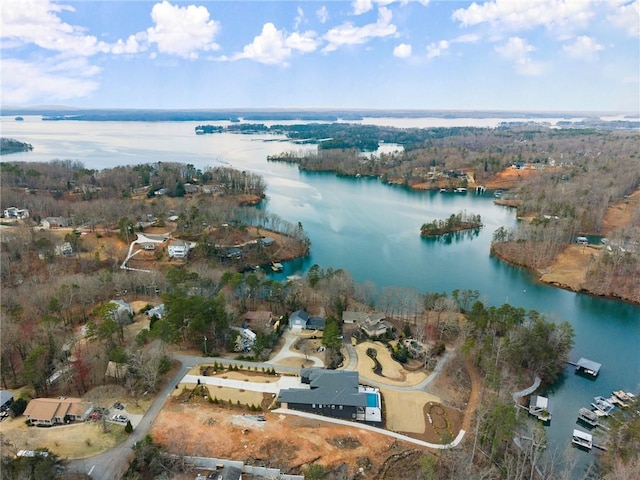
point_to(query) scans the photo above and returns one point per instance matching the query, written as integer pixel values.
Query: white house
(178, 249)
(13, 212)
(55, 222)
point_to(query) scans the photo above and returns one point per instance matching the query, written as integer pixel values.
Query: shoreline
(565, 286)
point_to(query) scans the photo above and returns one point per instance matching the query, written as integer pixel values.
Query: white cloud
(299, 18)
(305, 42)
(182, 31)
(470, 38)
(37, 22)
(527, 14)
(626, 16)
(437, 49)
(362, 6)
(323, 14)
(134, 44)
(23, 82)
(349, 34)
(273, 47)
(517, 50)
(583, 48)
(402, 51)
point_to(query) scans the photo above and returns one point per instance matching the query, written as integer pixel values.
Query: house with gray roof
(334, 393)
(6, 399)
(301, 319)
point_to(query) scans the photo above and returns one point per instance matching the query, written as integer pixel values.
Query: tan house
(54, 411)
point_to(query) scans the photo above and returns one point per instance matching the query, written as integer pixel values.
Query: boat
(582, 439)
(587, 416)
(622, 398)
(443, 190)
(603, 405)
(497, 194)
(277, 266)
(460, 190)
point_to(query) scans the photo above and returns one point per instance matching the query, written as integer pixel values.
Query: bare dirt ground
(282, 441)
(620, 214)
(292, 443)
(570, 268)
(510, 178)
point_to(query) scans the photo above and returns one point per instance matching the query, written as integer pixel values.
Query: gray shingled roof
(328, 387)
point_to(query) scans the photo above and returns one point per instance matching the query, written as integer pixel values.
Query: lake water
(372, 230)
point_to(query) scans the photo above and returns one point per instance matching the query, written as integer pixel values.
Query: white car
(119, 418)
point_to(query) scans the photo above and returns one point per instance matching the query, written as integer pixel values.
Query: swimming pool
(372, 400)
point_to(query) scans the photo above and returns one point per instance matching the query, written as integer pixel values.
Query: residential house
(373, 324)
(301, 319)
(55, 222)
(6, 399)
(178, 249)
(123, 311)
(65, 249)
(52, 411)
(157, 311)
(116, 370)
(315, 323)
(298, 319)
(334, 393)
(19, 213)
(190, 188)
(267, 241)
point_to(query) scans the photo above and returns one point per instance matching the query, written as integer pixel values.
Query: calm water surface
(372, 230)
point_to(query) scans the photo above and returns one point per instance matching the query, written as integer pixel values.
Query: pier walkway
(528, 390)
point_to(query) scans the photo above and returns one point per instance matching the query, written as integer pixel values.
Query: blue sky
(559, 55)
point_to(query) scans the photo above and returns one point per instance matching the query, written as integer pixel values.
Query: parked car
(95, 415)
(119, 418)
(118, 405)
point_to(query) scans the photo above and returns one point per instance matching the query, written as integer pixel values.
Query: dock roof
(586, 364)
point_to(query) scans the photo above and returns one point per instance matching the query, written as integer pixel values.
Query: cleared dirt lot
(282, 441)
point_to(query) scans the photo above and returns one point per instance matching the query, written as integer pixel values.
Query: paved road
(112, 464)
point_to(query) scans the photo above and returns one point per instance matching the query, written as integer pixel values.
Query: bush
(18, 407)
(128, 427)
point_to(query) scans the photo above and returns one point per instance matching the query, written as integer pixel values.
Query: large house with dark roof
(334, 393)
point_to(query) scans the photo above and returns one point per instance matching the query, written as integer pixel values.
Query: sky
(540, 55)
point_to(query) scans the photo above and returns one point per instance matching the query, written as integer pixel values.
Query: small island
(10, 145)
(455, 223)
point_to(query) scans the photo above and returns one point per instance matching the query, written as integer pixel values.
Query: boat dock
(587, 416)
(586, 366)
